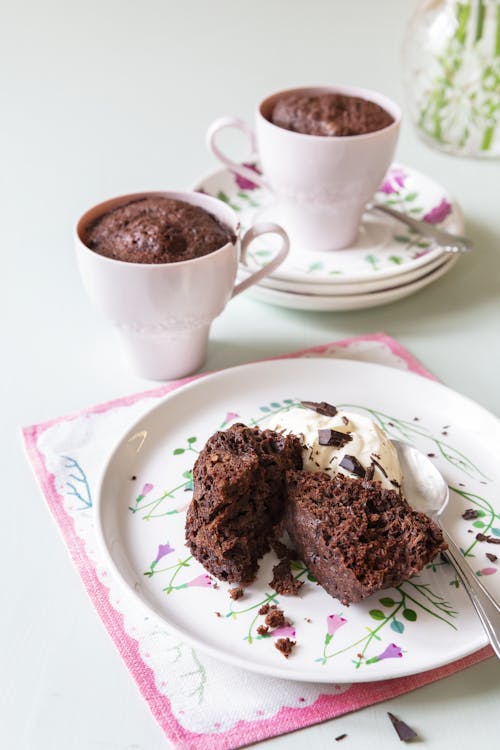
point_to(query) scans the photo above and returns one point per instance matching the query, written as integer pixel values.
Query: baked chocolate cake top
(157, 230)
(329, 114)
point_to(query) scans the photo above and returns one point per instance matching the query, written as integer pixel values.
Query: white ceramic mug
(321, 183)
(163, 312)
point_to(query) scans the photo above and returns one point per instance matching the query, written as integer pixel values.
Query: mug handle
(263, 227)
(233, 122)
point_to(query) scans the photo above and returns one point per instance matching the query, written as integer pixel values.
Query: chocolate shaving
(380, 467)
(320, 407)
(487, 538)
(395, 484)
(351, 464)
(431, 455)
(491, 557)
(470, 514)
(333, 437)
(345, 420)
(340, 737)
(404, 732)
(262, 630)
(264, 609)
(236, 593)
(370, 472)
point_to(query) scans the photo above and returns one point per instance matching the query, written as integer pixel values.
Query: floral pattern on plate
(384, 247)
(412, 625)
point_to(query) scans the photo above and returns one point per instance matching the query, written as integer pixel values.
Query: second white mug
(321, 183)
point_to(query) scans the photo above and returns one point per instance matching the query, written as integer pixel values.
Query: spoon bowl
(423, 485)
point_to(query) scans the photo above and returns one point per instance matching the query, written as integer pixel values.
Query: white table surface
(103, 98)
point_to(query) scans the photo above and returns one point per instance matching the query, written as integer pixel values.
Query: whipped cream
(368, 444)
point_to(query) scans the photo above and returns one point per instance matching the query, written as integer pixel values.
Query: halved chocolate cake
(354, 536)
(239, 485)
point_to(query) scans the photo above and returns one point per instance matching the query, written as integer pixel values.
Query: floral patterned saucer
(421, 624)
(385, 248)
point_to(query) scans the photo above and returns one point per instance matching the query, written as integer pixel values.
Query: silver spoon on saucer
(426, 491)
(450, 243)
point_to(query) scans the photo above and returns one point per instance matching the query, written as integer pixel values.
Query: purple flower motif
(394, 180)
(334, 622)
(147, 488)
(204, 581)
(163, 550)
(439, 213)
(283, 632)
(230, 416)
(421, 253)
(391, 652)
(242, 182)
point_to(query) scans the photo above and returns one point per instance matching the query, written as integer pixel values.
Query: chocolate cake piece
(356, 537)
(239, 485)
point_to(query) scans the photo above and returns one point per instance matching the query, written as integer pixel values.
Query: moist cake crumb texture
(356, 537)
(157, 230)
(239, 484)
(329, 114)
(285, 646)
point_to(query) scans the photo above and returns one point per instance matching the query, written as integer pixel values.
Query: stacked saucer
(387, 262)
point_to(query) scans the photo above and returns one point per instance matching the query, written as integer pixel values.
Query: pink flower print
(394, 180)
(204, 581)
(334, 622)
(163, 551)
(242, 182)
(283, 632)
(486, 571)
(147, 488)
(439, 213)
(421, 253)
(230, 416)
(391, 652)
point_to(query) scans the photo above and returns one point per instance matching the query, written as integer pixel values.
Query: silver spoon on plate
(450, 243)
(426, 491)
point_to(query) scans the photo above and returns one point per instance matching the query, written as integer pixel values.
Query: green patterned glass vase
(451, 60)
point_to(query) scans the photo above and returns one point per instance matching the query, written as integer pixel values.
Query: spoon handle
(485, 605)
(450, 243)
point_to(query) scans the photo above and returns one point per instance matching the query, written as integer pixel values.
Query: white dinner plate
(339, 303)
(425, 622)
(384, 248)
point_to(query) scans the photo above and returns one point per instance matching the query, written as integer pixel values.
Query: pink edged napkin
(185, 689)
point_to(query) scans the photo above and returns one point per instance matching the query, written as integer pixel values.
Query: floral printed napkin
(185, 689)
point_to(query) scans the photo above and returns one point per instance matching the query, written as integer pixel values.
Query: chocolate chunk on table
(404, 732)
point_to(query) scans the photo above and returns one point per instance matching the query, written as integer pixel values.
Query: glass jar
(451, 62)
